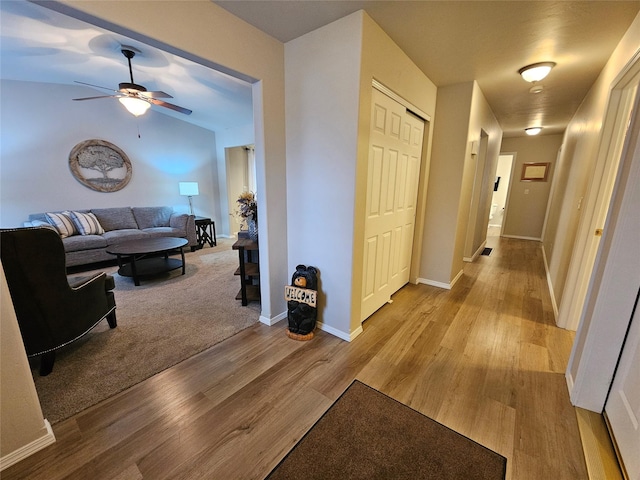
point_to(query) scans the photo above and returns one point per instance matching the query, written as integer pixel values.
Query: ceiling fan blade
(101, 96)
(95, 86)
(160, 103)
(155, 95)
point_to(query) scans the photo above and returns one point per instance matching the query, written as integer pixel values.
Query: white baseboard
(550, 285)
(322, 326)
(456, 278)
(569, 380)
(274, 320)
(433, 283)
(476, 254)
(28, 449)
(339, 333)
(537, 239)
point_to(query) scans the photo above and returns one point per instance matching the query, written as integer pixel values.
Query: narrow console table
(248, 270)
(205, 231)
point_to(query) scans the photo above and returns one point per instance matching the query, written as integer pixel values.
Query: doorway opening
(483, 184)
(241, 177)
(499, 198)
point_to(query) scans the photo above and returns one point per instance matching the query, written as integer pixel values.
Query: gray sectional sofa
(122, 224)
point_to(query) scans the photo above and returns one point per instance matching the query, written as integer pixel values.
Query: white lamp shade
(533, 130)
(189, 188)
(537, 71)
(136, 106)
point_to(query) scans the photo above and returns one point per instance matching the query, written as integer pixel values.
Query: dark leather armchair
(51, 311)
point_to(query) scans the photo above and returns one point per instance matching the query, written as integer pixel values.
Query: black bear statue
(301, 303)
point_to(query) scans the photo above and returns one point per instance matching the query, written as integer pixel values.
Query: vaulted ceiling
(40, 45)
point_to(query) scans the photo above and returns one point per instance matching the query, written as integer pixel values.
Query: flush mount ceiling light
(536, 71)
(533, 130)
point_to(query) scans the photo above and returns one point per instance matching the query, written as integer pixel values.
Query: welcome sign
(302, 295)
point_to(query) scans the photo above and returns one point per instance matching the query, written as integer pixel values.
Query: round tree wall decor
(100, 165)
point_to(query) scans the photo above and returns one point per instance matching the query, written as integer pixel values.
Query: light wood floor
(485, 359)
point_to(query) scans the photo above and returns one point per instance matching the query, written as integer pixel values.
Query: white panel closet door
(617, 299)
(395, 152)
(623, 405)
(620, 293)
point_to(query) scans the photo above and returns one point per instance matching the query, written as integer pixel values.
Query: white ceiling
(451, 41)
(454, 42)
(40, 45)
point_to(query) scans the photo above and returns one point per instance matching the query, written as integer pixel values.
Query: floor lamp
(189, 189)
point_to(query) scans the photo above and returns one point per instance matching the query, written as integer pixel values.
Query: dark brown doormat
(368, 435)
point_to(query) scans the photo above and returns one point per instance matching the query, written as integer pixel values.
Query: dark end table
(205, 232)
(148, 256)
(248, 270)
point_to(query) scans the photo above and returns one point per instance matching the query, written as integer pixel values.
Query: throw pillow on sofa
(149, 217)
(117, 218)
(86, 223)
(62, 222)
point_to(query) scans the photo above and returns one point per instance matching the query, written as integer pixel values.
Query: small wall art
(534, 172)
(100, 165)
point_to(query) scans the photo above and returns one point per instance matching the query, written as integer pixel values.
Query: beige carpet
(165, 320)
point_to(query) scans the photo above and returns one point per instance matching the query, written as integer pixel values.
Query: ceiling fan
(135, 97)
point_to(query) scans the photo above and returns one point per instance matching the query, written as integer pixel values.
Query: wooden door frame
(481, 184)
(613, 135)
(514, 156)
(603, 322)
(228, 168)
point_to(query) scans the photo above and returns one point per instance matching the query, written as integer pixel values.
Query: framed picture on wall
(535, 172)
(100, 165)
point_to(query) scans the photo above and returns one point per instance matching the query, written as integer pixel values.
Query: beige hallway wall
(329, 73)
(21, 420)
(462, 113)
(481, 121)
(576, 165)
(527, 206)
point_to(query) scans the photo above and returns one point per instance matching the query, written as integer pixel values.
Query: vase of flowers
(248, 211)
(253, 230)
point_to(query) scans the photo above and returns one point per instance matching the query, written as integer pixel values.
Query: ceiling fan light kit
(136, 106)
(135, 98)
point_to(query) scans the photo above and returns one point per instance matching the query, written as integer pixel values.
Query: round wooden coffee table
(148, 256)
